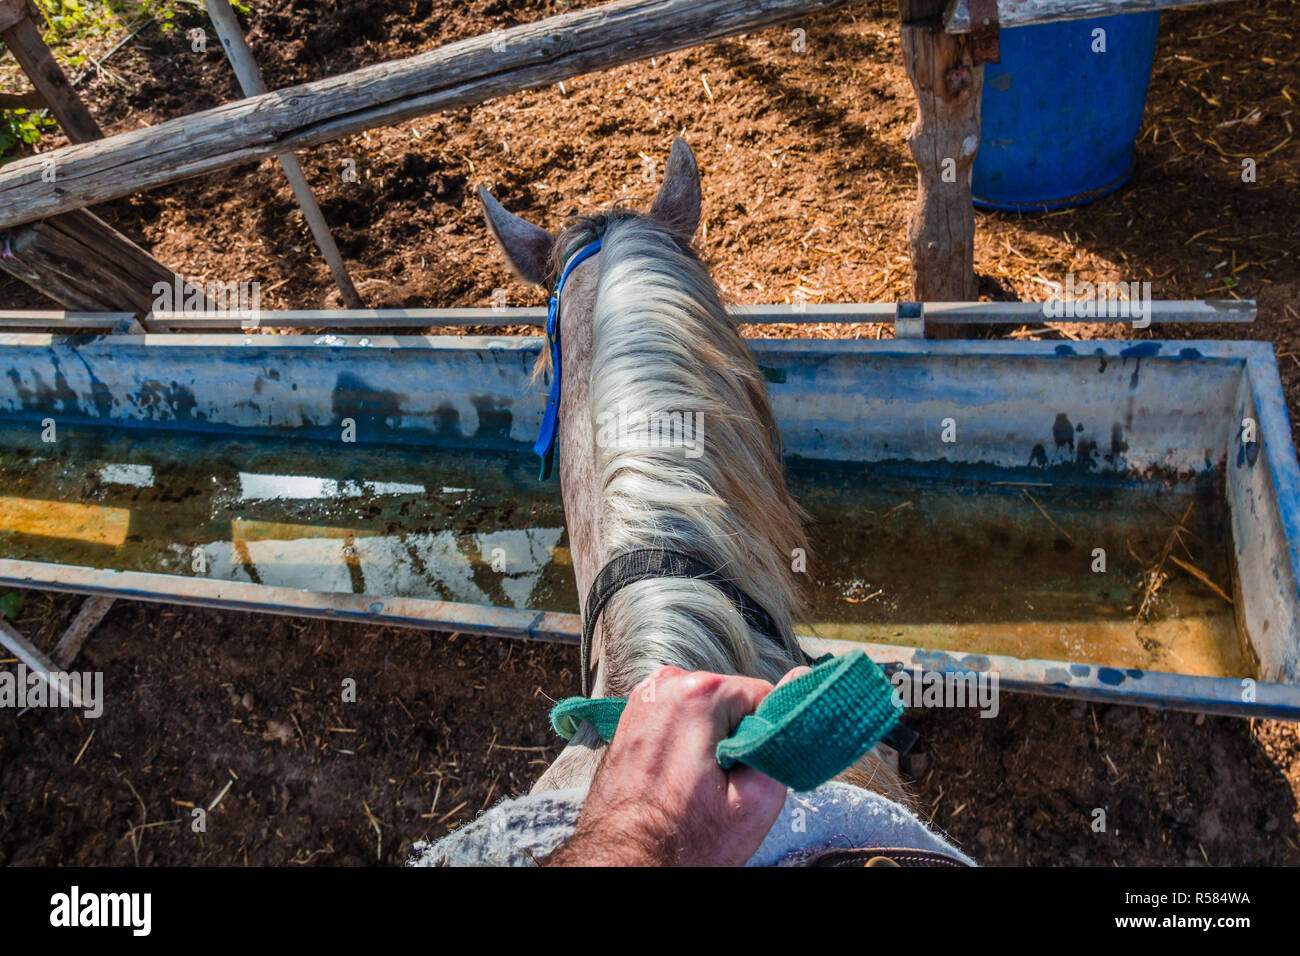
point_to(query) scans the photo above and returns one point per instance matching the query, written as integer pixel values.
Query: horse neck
(678, 451)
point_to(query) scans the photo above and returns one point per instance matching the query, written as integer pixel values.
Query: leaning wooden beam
(460, 74)
(943, 140)
(82, 262)
(23, 39)
(37, 664)
(28, 653)
(250, 81)
(1018, 13)
(89, 615)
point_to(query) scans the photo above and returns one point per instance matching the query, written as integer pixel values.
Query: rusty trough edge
(1155, 689)
(1265, 381)
(812, 313)
(421, 613)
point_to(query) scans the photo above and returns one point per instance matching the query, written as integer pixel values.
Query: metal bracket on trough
(909, 320)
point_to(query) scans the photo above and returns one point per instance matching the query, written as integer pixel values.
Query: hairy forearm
(580, 851)
(659, 797)
(611, 844)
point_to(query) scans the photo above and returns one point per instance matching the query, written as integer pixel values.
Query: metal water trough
(1170, 413)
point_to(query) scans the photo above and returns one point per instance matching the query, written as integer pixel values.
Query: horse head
(680, 527)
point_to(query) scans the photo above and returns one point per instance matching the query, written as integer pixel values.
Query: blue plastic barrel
(1059, 122)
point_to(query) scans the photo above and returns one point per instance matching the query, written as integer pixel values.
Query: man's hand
(659, 796)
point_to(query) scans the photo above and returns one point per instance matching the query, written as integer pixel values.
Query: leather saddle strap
(884, 856)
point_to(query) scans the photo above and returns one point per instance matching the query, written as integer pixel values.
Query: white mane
(666, 352)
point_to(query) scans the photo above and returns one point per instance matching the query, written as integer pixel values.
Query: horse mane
(663, 343)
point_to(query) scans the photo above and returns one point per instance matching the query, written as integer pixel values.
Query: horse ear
(677, 205)
(527, 247)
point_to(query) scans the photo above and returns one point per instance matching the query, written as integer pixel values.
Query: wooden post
(250, 81)
(943, 141)
(75, 258)
(11, 13)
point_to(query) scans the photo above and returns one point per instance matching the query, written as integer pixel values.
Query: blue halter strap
(544, 447)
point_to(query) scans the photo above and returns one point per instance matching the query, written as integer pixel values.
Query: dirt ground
(244, 714)
(808, 186)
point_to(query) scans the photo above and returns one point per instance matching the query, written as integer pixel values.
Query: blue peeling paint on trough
(1183, 416)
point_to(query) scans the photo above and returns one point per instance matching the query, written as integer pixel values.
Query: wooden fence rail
(936, 48)
(460, 74)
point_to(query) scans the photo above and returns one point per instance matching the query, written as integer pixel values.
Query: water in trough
(975, 566)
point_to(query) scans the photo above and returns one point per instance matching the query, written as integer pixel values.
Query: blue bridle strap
(544, 447)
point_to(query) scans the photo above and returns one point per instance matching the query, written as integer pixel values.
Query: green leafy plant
(73, 25)
(164, 11)
(11, 602)
(72, 19)
(21, 127)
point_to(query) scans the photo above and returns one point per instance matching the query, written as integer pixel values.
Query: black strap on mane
(632, 566)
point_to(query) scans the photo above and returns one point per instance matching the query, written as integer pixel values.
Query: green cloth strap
(802, 734)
